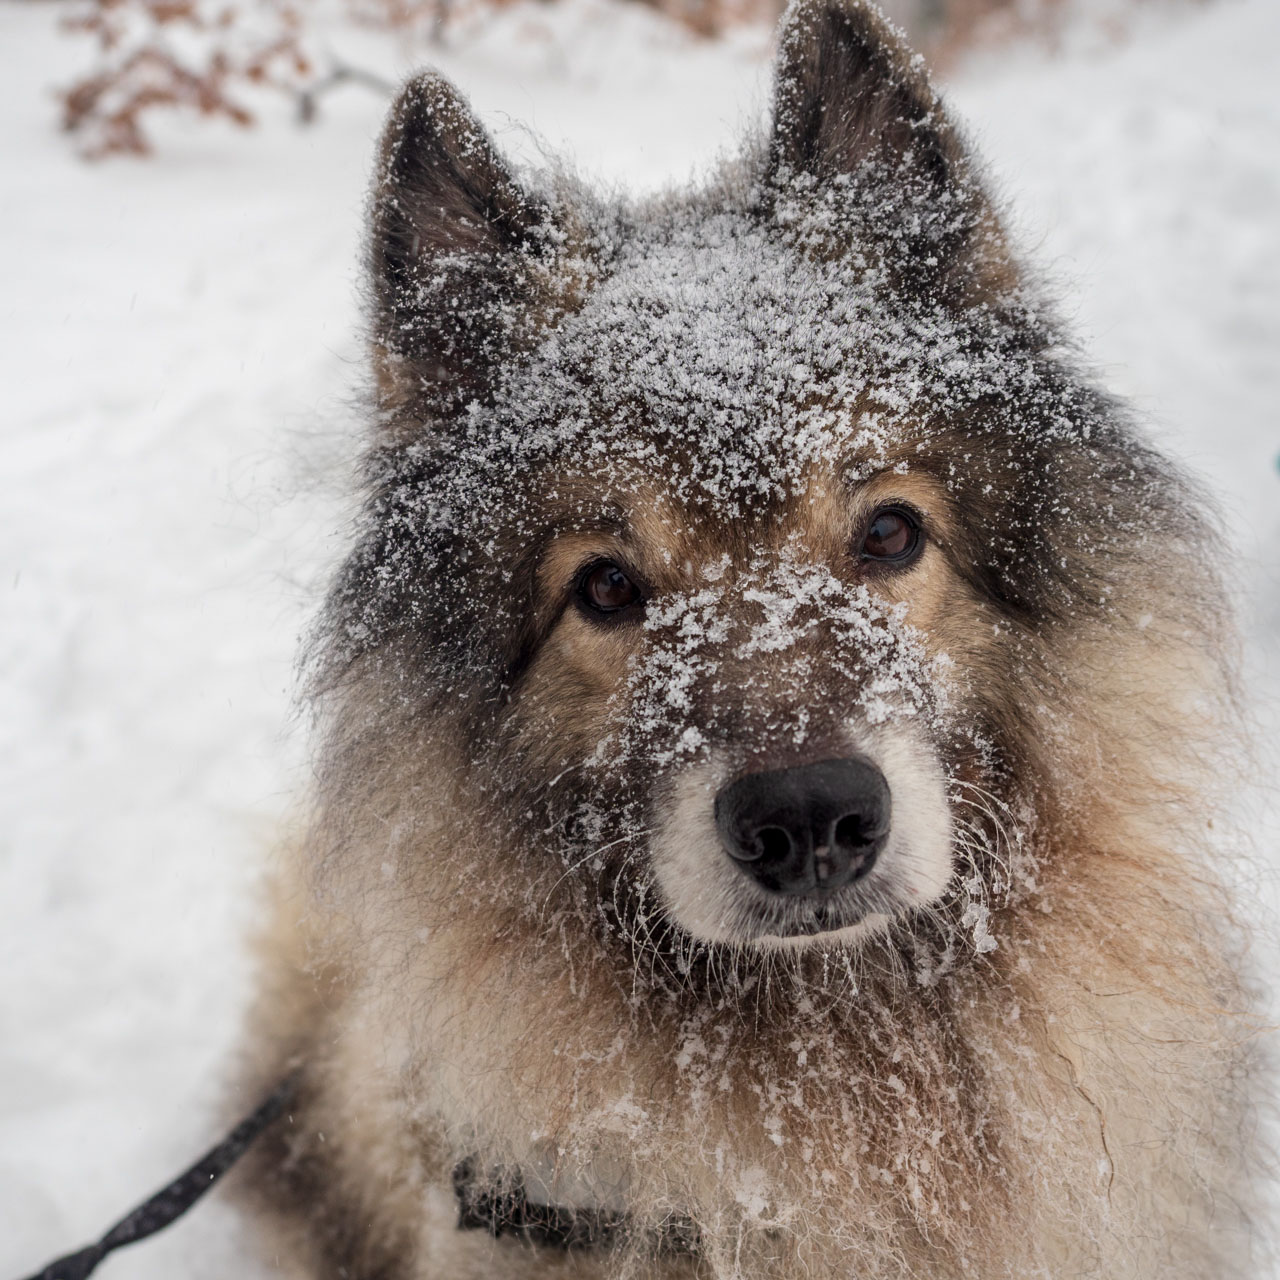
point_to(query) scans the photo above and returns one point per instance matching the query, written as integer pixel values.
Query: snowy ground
(178, 358)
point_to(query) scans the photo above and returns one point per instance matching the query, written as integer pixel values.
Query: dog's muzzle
(808, 831)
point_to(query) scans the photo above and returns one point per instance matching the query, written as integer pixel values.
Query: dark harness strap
(506, 1210)
(173, 1201)
(501, 1207)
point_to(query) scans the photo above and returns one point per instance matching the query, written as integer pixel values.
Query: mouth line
(812, 921)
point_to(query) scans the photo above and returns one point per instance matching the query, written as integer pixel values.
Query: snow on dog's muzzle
(806, 832)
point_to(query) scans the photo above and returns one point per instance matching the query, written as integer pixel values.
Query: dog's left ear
(459, 254)
(854, 113)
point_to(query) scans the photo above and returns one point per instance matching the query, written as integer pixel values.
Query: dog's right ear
(459, 253)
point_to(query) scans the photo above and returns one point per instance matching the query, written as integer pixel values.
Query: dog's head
(730, 535)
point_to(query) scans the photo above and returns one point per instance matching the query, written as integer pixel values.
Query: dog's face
(731, 533)
(774, 688)
(742, 602)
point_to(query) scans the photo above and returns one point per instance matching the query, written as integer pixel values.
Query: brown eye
(893, 536)
(604, 588)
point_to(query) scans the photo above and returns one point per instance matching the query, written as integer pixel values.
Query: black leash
(173, 1201)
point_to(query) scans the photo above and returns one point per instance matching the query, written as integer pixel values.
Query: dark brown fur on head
(717, 391)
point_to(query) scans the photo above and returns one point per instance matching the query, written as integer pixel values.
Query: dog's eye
(893, 536)
(605, 588)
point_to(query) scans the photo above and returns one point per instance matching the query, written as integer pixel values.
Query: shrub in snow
(192, 54)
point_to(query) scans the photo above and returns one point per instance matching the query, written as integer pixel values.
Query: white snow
(179, 353)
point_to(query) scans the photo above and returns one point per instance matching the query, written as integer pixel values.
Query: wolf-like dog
(772, 721)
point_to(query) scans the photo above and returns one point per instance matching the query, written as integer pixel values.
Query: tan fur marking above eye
(649, 537)
(833, 510)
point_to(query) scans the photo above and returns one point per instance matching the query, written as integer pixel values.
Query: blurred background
(181, 366)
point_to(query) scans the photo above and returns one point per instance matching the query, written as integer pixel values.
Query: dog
(772, 721)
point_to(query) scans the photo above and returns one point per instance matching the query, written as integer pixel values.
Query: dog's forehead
(718, 354)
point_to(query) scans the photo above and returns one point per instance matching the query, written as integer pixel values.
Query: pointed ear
(458, 252)
(847, 91)
(854, 111)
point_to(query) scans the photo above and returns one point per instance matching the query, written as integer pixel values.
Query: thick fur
(509, 937)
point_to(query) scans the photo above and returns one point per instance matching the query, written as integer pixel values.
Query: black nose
(806, 830)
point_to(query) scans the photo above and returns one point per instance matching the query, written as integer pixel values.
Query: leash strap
(172, 1201)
